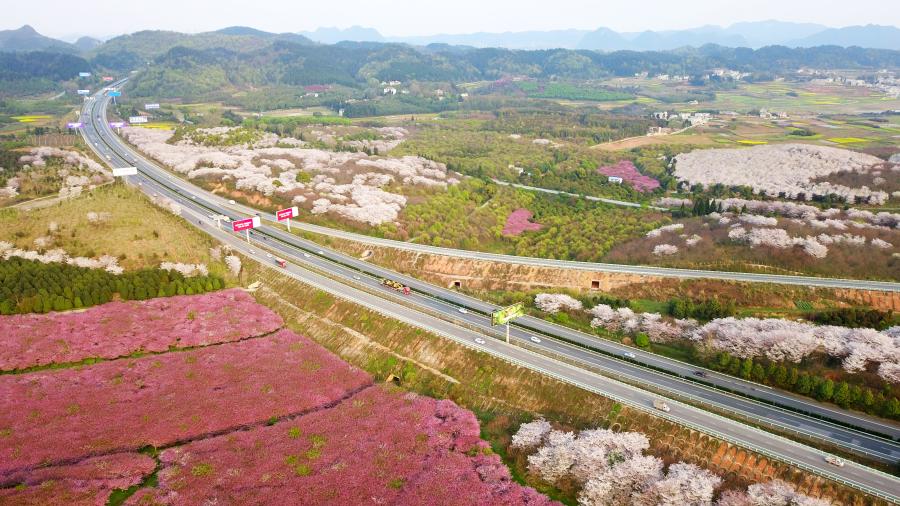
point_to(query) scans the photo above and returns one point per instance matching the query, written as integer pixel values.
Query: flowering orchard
(119, 329)
(349, 185)
(610, 469)
(380, 446)
(88, 482)
(46, 170)
(786, 170)
(519, 221)
(158, 400)
(775, 339)
(626, 170)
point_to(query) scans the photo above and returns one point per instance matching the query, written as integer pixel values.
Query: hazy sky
(410, 17)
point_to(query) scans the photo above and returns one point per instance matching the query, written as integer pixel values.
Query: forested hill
(127, 52)
(194, 71)
(37, 72)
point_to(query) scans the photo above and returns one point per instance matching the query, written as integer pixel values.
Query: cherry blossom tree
(556, 302)
(531, 434)
(665, 249)
(675, 227)
(684, 485)
(622, 482)
(186, 270)
(233, 263)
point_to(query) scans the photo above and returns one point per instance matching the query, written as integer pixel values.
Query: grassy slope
(139, 233)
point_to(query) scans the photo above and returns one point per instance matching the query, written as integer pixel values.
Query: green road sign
(507, 314)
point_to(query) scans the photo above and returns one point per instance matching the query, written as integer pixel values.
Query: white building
(615, 180)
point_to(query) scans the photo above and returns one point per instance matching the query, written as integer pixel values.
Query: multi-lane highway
(359, 281)
(527, 325)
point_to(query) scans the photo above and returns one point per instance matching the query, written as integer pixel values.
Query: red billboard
(286, 214)
(247, 224)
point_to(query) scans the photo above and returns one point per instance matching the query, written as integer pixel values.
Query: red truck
(281, 262)
(400, 287)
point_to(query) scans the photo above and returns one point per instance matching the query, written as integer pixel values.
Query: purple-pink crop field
(381, 446)
(119, 329)
(89, 482)
(121, 405)
(519, 221)
(626, 170)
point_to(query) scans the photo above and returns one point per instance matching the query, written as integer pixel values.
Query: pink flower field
(122, 405)
(119, 329)
(89, 482)
(250, 414)
(381, 446)
(626, 170)
(519, 221)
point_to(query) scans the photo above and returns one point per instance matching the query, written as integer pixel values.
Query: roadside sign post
(507, 314)
(245, 225)
(286, 215)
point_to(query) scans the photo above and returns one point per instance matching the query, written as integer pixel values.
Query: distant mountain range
(150, 43)
(749, 34)
(27, 39)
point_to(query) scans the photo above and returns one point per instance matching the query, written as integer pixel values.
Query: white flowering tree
(233, 263)
(684, 485)
(531, 435)
(556, 302)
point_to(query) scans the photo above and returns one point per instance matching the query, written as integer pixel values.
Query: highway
(791, 422)
(356, 283)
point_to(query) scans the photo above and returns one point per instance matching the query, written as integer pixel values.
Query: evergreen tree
(825, 390)
(841, 395)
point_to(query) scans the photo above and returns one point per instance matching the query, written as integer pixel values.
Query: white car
(268, 255)
(252, 252)
(463, 310)
(629, 354)
(534, 339)
(231, 202)
(479, 340)
(320, 252)
(356, 277)
(835, 461)
(306, 255)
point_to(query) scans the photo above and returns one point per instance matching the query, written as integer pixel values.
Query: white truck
(661, 405)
